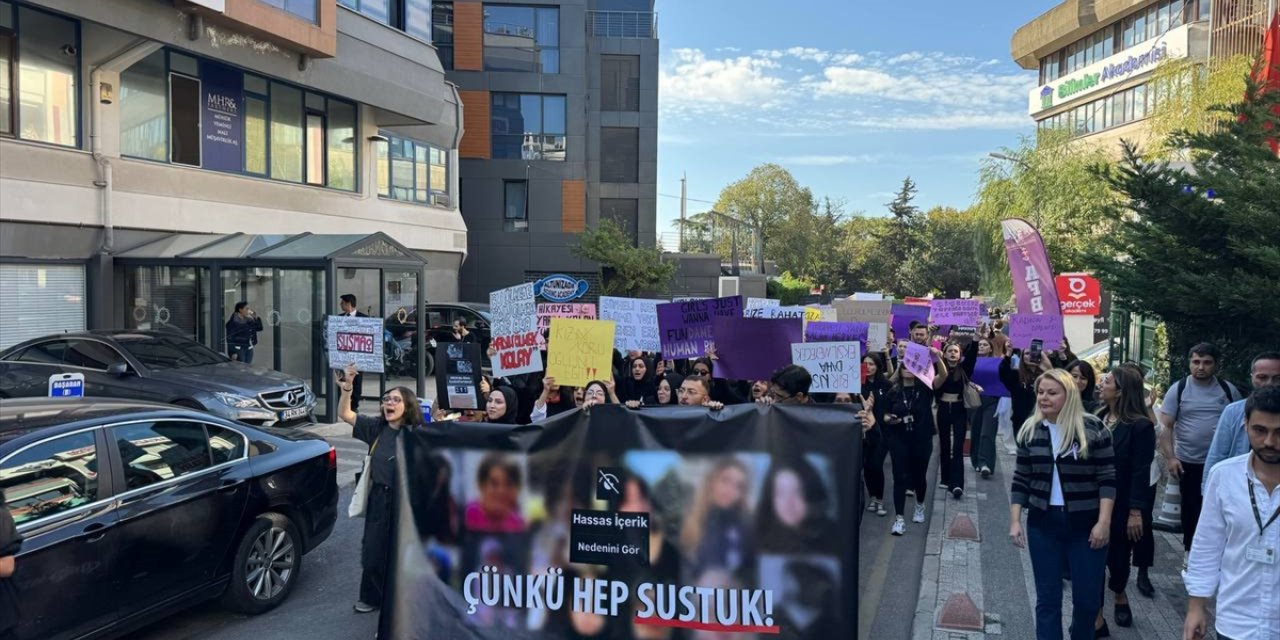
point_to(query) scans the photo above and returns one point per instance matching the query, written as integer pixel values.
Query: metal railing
(622, 24)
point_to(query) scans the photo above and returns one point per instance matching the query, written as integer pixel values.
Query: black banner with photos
(672, 522)
(458, 376)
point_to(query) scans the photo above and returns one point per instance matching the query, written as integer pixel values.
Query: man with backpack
(1190, 414)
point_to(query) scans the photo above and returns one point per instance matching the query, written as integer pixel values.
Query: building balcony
(622, 24)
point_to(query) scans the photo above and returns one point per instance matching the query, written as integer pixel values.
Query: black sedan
(131, 511)
(156, 366)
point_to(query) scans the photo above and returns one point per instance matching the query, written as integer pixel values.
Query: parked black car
(157, 366)
(132, 510)
(403, 321)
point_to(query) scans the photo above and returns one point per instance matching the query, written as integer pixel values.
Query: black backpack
(1182, 387)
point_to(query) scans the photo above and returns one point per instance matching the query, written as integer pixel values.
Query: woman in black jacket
(874, 450)
(1018, 375)
(1133, 437)
(908, 434)
(637, 384)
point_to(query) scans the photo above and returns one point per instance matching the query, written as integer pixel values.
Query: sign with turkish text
(560, 288)
(221, 117)
(549, 310)
(1023, 328)
(580, 351)
(835, 366)
(514, 330)
(686, 326)
(1079, 294)
(355, 340)
(66, 385)
(635, 323)
(918, 359)
(954, 312)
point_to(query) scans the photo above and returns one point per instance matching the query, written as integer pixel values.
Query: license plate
(293, 414)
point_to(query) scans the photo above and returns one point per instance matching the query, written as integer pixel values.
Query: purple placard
(919, 360)
(986, 374)
(686, 329)
(903, 314)
(753, 348)
(221, 117)
(837, 332)
(957, 312)
(1024, 327)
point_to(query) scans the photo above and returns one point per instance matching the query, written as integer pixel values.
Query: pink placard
(1024, 327)
(919, 360)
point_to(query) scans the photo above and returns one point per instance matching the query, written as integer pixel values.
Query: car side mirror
(119, 369)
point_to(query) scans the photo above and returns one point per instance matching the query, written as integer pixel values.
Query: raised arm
(346, 383)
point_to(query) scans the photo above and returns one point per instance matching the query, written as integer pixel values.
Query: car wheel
(267, 564)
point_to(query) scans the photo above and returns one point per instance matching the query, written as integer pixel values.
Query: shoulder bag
(360, 497)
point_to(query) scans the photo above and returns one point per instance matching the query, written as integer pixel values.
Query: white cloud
(926, 77)
(809, 53)
(698, 83)
(820, 160)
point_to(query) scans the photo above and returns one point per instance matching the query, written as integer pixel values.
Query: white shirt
(1248, 606)
(1055, 492)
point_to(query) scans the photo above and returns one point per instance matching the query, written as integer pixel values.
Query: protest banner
(1024, 327)
(686, 326)
(580, 351)
(605, 485)
(515, 331)
(863, 310)
(962, 313)
(753, 348)
(355, 340)
(877, 336)
(1029, 267)
(549, 310)
(837, 332)
(835, 366)
(458, 376)
(785, 312)
(986, 374)
(918, 360)
(904, 315)
(635, 323)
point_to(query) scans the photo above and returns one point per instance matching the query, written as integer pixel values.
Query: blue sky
(849, 95)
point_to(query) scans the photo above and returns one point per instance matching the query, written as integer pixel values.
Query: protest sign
(863, 310)
(919, 361)
(760, 303)
(860, 295)
(686, 326)
(580, 351)
(785, 312)
(549, 310)
(635, 323)
(1025, 327)
(904, 314)
(515, 331)
(601, 484)
(357, 340)
(458, 375)
(877, 336)
(986, 374)
(753, 348)
(954, 312)
(835, 366)
(837, 332)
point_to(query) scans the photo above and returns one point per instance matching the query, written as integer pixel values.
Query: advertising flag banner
(1024, 328)
(919, 360)
(753, 348)
(954, 312)
(635, 323)
(1033, 285)
(607, 517)
(685, 327)
(355, 340)
(835, 366)
(580, 351)
(515, 331)
(458, 376)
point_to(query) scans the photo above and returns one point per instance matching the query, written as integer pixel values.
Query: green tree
(1186, 91)
(626, 269)
(765, 199)
(808, 244)
(1209, 268)
(948, 264)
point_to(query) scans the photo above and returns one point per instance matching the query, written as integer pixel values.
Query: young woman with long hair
(718, 532)
(908, 434)
(1086, 380)
(953, 419)
(1124, 412)
(875, 387)
(1066, 480)
(400, 412)
(793, 516)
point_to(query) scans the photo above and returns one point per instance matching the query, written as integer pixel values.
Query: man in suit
(347, 302)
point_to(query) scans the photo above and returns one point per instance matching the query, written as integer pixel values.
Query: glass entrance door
(300, 332)
(257, 287)
(366, 286)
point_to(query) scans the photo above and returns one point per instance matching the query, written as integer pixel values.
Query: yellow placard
(812, 314)
(580, 351)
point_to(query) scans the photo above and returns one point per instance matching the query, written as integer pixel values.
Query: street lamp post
(1035, 188)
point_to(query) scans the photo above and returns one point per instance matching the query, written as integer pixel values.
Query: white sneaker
(899, 527)
(880, 511)
(911, 492)
(871, 505)
(918, 516)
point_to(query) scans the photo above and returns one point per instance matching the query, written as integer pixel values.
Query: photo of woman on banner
(807, 589)
(497, 507)
(719, 532)
(795, 511)
(664, 557)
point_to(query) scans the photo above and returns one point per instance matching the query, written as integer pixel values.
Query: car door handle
(94, 532)
(230, 485)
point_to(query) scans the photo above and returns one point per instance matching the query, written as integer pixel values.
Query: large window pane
(417, 18)
(153, 452)
(184, 129)
(620, 154)
(6, 84)
(143, 118)
(401, 170)
(47, 78)
(548, 28)
(553, 114)
(51, 477)
(384, 169)
(530, 114)
(315, 148)
(439, 170)
(255, 136)
(442, 31)
(1175, 14)
(379, 10)
(304, 9)
(515, 212)
(342, 145)
(421, 192)
(286, 133)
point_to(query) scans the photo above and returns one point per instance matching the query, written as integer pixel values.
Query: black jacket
(10, 544)
(1134, 444)
(243, 331)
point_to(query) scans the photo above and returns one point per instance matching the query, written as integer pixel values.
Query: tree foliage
(627, 269)
(765, 200)
(1208, 267)
(1187, 89)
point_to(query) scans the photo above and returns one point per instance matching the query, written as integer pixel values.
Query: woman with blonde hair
(718, 533)
(1065, 479)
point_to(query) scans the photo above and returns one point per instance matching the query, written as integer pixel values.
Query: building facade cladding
(553, 103)
(303, 105)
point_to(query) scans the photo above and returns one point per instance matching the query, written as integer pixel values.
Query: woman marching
(908, 434)
(1066, 480)
(1133, 436)
(953, 419)
(399, 413)
(875, 388)
(637, 382)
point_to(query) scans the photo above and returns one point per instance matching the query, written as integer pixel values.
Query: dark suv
(156, 366)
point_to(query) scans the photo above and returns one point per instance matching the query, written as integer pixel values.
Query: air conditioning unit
(729, 286)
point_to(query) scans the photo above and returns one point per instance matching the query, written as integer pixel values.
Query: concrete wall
(1064, 24)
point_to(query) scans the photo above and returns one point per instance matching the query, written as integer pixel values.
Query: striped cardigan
(1085, 481)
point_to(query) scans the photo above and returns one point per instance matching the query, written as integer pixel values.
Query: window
(620, 83)
(286, 133)
(153, 452)
(1205, 6)
(39, 75)
(619, 154)
(40, 299)
(410, 16)
(169, 352)
(528, 126)
(411, 170)
(521, 39)
(184, 127)
(44, 353)
(144, 118)
(625, 212)
(90, 354)
(304, 9)
(315, 148)
(417, 18)
(515, 216)
(255, 135)
(341, 131)
(51, 477)
(225, 445)
(442, 31)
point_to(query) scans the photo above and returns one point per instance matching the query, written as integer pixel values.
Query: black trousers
(1192, 500)
(1121, 548)
(953, 424)
(375, 551)
(911, 451)
(873, 454)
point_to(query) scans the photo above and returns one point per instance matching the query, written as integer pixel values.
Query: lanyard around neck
(1257, 515)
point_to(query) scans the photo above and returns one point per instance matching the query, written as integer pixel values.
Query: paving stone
(960, 612)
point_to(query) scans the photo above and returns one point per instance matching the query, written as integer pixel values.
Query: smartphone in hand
(1036, 353)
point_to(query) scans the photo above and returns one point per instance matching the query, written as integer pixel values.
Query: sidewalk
(976, 584)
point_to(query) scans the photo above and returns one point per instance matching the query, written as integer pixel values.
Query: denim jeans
(982, 433)
(1054, 541)
(241, 352)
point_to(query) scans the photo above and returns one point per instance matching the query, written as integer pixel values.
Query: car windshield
(169, 352)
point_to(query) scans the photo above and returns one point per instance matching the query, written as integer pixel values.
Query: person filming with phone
(243, 328)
